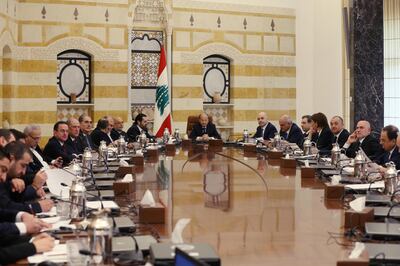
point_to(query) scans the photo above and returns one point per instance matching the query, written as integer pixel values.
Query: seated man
(33, 135)
(5, 137)
(204, 129)
(85, 123)
(390, 151)
(138, 127)
(56, 147)
(340, 134)
(118, 129)
(265, 129)
(306, 125)
(113, 134)
(290, 131)
(75, 143)
(361, 138)
(101, 133)
(13, 191)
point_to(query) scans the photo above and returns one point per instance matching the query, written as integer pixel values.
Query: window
(216, 78)
(73, 77)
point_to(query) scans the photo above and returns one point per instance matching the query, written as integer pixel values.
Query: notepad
(109, 204)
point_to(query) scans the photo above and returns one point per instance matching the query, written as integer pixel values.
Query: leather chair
(192, 120)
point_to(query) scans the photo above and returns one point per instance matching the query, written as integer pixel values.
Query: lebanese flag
(162, 110)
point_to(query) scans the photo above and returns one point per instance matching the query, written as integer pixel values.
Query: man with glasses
(33, 135)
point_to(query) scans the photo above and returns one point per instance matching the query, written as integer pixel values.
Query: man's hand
(46, 205)
(205, 137)
(17, 185)
(39, 179)
(43, 243)
(352, 138)
(35, 225)
(40, 193)
(57, 162)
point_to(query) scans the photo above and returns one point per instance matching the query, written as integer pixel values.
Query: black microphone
(86, 252)
(55, 198)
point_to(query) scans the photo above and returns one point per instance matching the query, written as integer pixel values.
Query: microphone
(86, 252)
(372, 181)
(55, 198)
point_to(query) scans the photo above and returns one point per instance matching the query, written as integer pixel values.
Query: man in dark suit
(322, 135)
(138, 127)
(101, 133)
(33, 135)
(5, 137)
(204, 129)
(56, 147)
(390, 151)
(74, 141)
(361, 138)
(85, 123)
(289, 131)
(306, 125)
(340, 134)
(118, 129)
(265, 129)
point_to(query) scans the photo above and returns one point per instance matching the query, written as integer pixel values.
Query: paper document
(57, 176)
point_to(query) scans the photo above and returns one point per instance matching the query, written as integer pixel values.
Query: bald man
(340, 134)
(290, 131)
(74, 141)
(361, 138)
(204, 129)
(118, 129)
(265, 129)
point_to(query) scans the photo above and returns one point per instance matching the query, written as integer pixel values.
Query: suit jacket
(36, 165)
(77, 145)
(7, 222)
(211, 131)
(13, 248)
(341, 140)
(87, 141)
(54, 149)
(115, 134)
(295, 135)
(383, 158)
(134, 131)
(370, 146)
(323, 140)
(98, 135)
(269, 132)
(6, 201)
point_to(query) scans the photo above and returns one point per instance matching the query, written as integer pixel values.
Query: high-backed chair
(192, 120)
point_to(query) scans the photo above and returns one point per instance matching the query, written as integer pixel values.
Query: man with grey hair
(33, 135)
(289, 131)
(361, 138)
(74, 140)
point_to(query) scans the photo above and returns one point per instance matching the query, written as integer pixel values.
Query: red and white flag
(162, 110)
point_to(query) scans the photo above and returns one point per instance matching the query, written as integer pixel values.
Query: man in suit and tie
(340, 134)
(56, 147)
(390, 151)
(265, 129)
(204, 129)
(289, 131)
(102, 133)
(86, 125)
(306, 125)
(33, 135)
(361, 138)
(138, 127)
(118, 129)
(74, 141)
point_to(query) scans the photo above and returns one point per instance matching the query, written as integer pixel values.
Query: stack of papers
(57, 255)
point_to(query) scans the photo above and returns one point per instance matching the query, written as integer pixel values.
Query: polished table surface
(248, 208)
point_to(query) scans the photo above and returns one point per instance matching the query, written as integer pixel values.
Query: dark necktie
(204, 130)
(334, 139)
(88, 142)
(285, 135)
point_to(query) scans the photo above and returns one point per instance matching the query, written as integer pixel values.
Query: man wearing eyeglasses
(33, 135)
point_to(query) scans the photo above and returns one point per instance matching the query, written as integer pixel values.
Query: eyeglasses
(35, 138)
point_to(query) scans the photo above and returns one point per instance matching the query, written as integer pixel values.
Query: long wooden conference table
(252, 211)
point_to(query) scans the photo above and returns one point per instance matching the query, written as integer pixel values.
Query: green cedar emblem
(162, 99)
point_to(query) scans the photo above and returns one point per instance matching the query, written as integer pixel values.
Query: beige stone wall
(263, 73)
(263, 69)
(39, 30)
